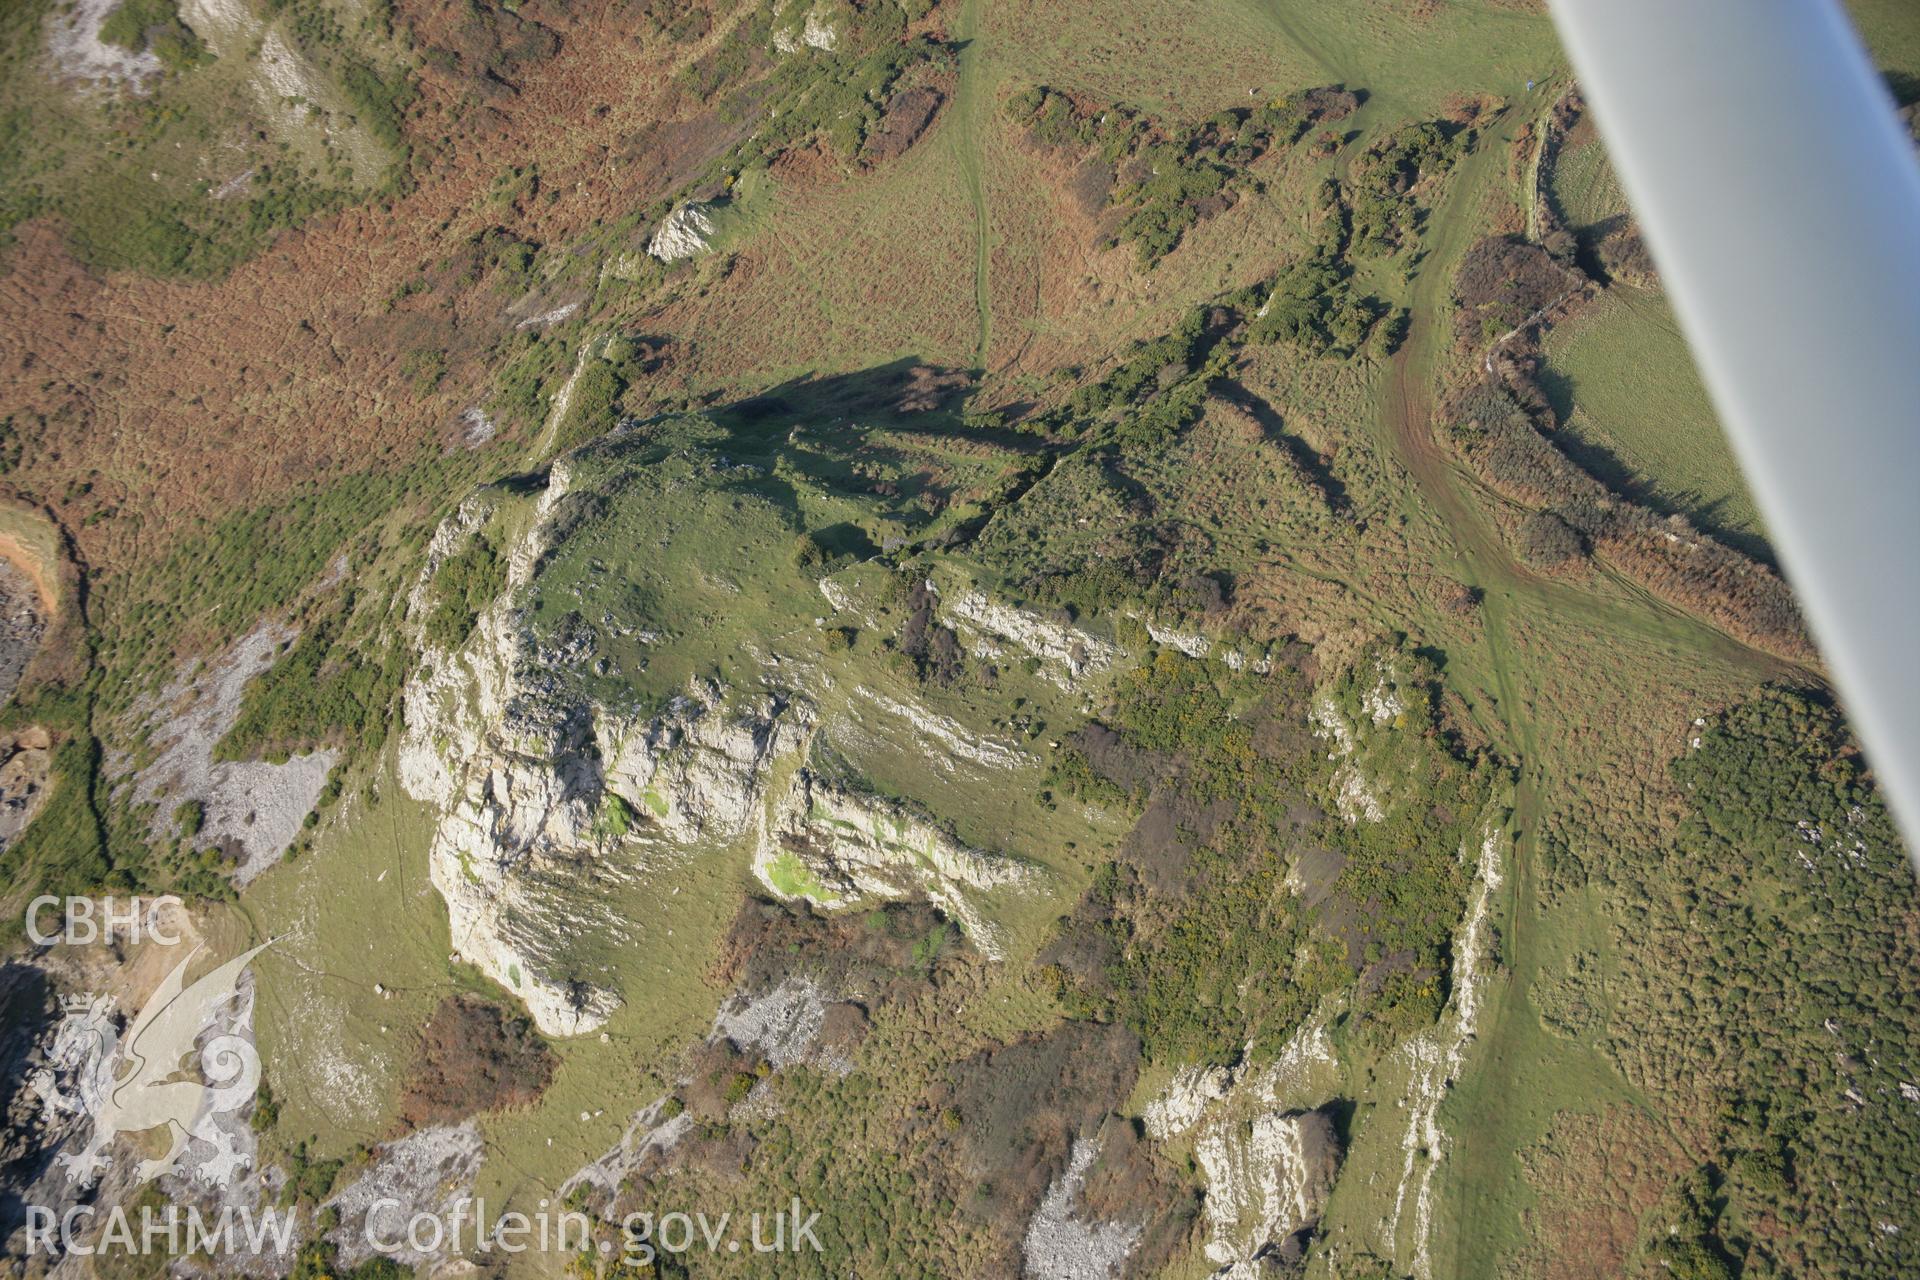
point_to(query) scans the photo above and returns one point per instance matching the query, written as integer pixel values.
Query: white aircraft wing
(1781, 202)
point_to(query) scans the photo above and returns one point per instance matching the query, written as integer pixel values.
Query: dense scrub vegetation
(1312, 303)
(474, 1057)
(1504, 280)
(1170, 178)
(335, 684)
(1770, 948)
(1237, 902)
(465, 584)
(1497, 433)
(1503, 424)
(1385, 180)
(155, 25)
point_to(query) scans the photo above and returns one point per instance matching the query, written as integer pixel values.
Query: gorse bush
(469, 581)
(327, 688)
(1384, 181)
(1168, 180)
(155, 26)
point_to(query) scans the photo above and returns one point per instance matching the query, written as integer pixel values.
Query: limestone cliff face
(521, 769)
(546, 798)
(1267, 1182)
(523, 799)
(836, 846)
(683, 234)
(1067, 654)
(1265, 1146)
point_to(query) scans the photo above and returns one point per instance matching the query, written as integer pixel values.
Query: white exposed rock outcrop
(548, 800)
(1267, 1180)
(820, 34)
(682, 234)
(781, 1025)
(1067, 654)
(1268, 1158)
(1061, 1243)
(836, 846)
(1179, 1107)
(1384, 703)
(78, 53)
(427, 1173)
(843, 600)
(816, 31)
(1191, 643)
(251, 808)
(522, 777)
(287, 88)
(1299, 1075)
(1354, 797)
(521, 768)
(1436, 1057)
(949, 739)
(656, 1128)
(1266, 1154)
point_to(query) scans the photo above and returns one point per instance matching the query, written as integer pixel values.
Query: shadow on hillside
(1274, 428)
(885, 434)
(884, 394)
(1709, 515)
(27, 1012)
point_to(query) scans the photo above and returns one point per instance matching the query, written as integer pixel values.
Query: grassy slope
(132, 174)
(1622, 376)
(973, 98)
(1549, 660)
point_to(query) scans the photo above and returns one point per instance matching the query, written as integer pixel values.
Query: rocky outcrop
(1267, 1184)
(947, 739)
(1354, 796)
(682, 234)
(836, 846)
(545, 797)
(26, 766)
(1191, 643)
(1063, 1242)
(526, 776)
(814, 31)
(23, 624)
(428, 1173)
(1359, 789)
(250, 810)
(1067, 654)
(1437, 1057)
(1185, 1099)
(1264, 1142)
